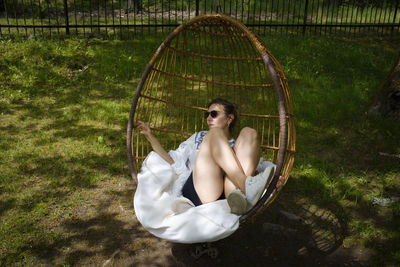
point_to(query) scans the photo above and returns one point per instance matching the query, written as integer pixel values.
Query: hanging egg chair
(207, 57)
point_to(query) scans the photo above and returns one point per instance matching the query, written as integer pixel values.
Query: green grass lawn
(64, 108)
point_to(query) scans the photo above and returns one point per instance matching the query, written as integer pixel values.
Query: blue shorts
(189, 191)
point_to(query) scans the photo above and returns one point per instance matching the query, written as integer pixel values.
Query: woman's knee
(212, 134)
(248, 137)
(249, 133)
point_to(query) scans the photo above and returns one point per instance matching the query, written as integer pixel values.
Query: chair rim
(269, 62)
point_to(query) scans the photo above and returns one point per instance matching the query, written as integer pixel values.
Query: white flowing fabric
(164, 212)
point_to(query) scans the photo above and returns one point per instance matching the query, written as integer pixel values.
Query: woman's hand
(145, 129)
(155, 144)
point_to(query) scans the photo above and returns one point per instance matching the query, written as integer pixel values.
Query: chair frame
(287, 134)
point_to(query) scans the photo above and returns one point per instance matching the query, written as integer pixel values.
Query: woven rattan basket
(214, 56)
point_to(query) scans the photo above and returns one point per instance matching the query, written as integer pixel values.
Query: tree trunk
(388, 100)
(135, 5)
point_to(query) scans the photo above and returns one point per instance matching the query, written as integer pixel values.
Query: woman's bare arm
(155, 144)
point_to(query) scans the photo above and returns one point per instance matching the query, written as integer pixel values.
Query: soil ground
(105, 232)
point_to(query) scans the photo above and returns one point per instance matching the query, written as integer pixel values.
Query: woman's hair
(229, 109)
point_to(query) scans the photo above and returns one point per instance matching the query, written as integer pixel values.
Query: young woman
(221, 167)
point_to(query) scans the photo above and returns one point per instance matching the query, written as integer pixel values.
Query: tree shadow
(277, 237)
(100, 230)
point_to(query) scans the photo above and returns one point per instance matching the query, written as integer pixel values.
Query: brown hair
(229, 108)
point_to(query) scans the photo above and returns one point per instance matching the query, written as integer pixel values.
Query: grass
(64, 108)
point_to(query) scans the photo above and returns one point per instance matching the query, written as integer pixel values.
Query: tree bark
(388, 100)
(135, 5)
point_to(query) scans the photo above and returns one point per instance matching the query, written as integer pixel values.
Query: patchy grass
(338, 161)
(64, 108)
(65, 190)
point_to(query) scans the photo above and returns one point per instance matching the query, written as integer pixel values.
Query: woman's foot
(237, 202)
(255, 186)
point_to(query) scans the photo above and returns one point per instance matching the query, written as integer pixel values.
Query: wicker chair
(214, 56)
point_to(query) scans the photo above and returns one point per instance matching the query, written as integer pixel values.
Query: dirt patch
(105, 232)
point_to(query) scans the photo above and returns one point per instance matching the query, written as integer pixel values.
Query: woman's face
(221, 120)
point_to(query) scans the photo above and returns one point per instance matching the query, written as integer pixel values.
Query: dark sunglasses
(213, 113)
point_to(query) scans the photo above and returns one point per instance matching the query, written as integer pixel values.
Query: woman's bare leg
(247, 150)
(214, 157)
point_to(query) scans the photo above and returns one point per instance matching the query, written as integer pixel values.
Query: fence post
(197, 7)
(66, 17)
(394, 17)
(305, 17)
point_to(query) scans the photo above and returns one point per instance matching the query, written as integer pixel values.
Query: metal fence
(129, 18)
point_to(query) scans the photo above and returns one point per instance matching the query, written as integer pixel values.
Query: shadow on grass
(306, 237)
(7, 140)
(352, 174)
(95, 235)
(111, 232)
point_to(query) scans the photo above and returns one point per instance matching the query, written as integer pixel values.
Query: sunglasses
(213, 113)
